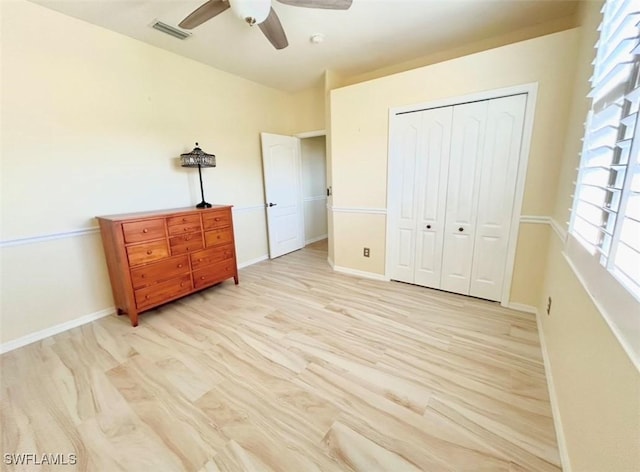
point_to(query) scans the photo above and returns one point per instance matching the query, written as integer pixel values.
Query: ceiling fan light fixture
(252, 11)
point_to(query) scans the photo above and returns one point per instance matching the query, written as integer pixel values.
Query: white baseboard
(59, 328)
(316, 239)
(330, 262)
(555, 409)
(358, 273)
(244, 264)
(522, 307)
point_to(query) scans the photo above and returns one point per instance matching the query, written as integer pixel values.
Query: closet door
(406, 149)
(467, 143)
(498, 174)
(431, 179)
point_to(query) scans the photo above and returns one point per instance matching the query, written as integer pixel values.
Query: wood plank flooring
(296, 369)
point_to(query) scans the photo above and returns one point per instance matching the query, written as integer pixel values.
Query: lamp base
(203, 204)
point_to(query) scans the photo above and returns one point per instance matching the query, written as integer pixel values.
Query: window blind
(606, 212)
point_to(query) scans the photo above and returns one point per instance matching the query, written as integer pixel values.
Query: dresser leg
(133, 316)
(235, 279)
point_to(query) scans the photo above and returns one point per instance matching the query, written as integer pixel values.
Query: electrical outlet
(366, 252)
(549, 306)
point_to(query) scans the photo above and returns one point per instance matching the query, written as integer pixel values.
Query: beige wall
(314, 181)
(93, 123)
(597, 387)
(359, 123)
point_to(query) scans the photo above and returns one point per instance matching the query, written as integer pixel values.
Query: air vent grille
(170, 30)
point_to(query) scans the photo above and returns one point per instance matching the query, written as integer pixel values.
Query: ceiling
(372, 34)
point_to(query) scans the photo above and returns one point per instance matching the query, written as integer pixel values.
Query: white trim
(53, 330)
(360, 273)
(522, 307)
(565, 462)
(369, 211)
(533, 219)
(560, 231)
(547, 220)
(330, 262)
(250, 262)
(319, 198)
(316, 239)
(49, 237)
(245, 209)
(311, 134)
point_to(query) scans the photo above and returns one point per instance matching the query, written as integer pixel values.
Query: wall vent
(170, 30)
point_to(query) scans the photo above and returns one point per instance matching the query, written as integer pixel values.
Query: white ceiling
(371, 35)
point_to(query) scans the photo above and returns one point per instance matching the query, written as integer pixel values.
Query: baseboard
(53, 330)
(330, 262)
(555, 409)
(359, 273)
(522, 307)
(242, 265)
(315, 240)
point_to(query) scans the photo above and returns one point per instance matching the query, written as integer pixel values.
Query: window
(606, 212)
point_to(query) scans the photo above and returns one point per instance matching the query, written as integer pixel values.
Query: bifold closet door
(485, 151)
(419, 164)
(498, 176)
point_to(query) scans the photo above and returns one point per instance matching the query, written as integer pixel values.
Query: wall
(93, 123)
(314, 181)
(597, 388)
(359, 123)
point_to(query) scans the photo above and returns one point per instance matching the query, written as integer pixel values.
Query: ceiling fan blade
(203, 13)
(272, 29)
(326, 4)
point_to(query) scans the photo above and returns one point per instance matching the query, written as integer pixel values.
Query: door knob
(271, 204)
(461, 229)
(428, 226)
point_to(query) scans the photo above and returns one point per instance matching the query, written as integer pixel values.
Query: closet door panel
(498, 175)
(467, 142)
(431, 178)
(406, 148)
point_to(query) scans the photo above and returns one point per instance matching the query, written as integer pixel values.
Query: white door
(467, 143)
(406, 149)
(431, 175)
(501, 154)
(283, 192)
(419, 166)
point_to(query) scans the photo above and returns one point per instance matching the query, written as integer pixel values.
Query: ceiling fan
(258, 12)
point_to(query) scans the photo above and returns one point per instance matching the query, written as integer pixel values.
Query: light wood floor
(296, 369)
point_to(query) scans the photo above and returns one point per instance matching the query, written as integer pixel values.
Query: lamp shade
(252, 11)
(197, 158)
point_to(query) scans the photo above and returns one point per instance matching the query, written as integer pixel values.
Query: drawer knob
(184, 220)
(217, 219)
(428, 226)
(149, 251)
(186, 229)
(145, 230)
(142, 276)
(218, 236)
(461, 229)
(146, 297)
(182, 284)
(199, 260)
(202, 278)
(179, 266)
(187, 248)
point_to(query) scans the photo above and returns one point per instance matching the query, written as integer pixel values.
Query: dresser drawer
(216, 219)
(214, 273)
(218, 236)
(148, 252)
(146, 230)
(185, 243)
(157, 272)
(211, 256)
(183, 224)
(163, 291)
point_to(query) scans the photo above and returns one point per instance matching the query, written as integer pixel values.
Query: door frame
(531, 90)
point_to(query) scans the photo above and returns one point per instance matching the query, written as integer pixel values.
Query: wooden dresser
(159, 256)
